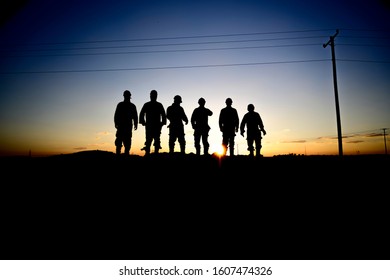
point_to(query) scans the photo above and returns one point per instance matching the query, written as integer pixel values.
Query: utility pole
(336, 94)
(384, 138)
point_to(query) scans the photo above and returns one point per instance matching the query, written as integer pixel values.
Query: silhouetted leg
(224, 144)
(182, 142)
(157, 145)
(127, 145)
(224, 149)
(250, 147)
(231, 151)
(171, 147)
(118, 144)
(148, 141)
(231, 147)
(146, 148)
(197, 144)
(205, 144)
(258, 147)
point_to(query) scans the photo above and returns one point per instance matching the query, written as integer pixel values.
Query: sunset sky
(65, 64)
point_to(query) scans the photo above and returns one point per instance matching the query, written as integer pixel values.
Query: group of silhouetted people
(153, 116)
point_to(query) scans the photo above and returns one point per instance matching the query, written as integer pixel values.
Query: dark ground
(94, 205)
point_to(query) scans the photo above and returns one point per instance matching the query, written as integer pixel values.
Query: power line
(160, 50)
(173, 38)
(366, 133)
(166, 44)
(364, 61)
(181, 67)
(166, 51)
(366, 37)
(13, 45)
(163, 68)
(365, 45)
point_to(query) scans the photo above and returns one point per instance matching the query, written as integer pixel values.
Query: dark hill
(95, 205)
(101, 167)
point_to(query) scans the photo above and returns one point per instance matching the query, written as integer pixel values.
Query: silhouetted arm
(236, 121)
(220, 121)
(116, 116)
(163, 116)
(193, 119)
(261, 125)
(142, 116)
(135, 118)
(185, 118)
(242, 126)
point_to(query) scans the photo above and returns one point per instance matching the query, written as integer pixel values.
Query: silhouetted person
(176, 117)
(125, 118)
(228, 124)
(153, 117)
(254, 126)
(200, 124)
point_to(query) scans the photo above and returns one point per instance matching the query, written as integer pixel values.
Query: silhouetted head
(229, 101)
(153, 95)
(177, 99)
(251, 107)
(127, 94)
(201, 101)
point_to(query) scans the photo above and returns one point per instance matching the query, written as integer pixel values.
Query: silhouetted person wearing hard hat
(125, 118)
(254, 126)
(200, 124)
(228, 124)
(153, 117)
(176, 117)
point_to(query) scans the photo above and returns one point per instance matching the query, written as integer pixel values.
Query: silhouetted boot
(127, 152)
(206, 151)
(182, 149)
(231, 151)
(118, 150)
(258, 153)
(147, 150)
(197, 151)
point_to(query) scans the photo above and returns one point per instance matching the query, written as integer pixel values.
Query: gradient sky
(65, 64)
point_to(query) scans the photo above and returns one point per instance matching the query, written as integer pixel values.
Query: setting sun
(217, 149)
